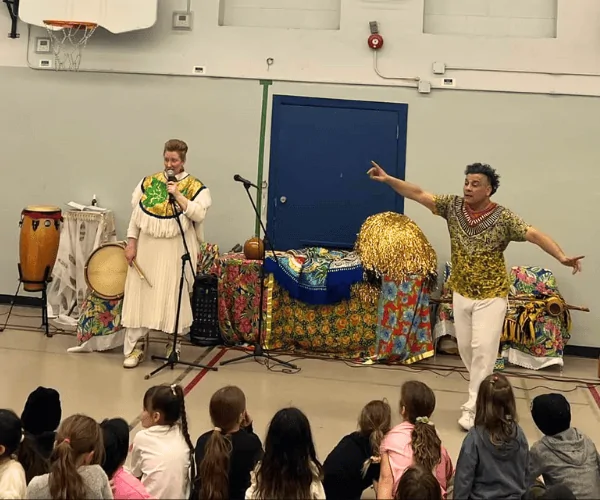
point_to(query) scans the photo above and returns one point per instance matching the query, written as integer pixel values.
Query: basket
(205, 309)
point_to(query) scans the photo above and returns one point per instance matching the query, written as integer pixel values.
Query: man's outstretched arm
(403, 188)
(549, 246)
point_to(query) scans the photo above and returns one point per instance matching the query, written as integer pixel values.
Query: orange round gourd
(254, 249)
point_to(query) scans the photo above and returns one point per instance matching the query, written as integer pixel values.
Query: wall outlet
(45, 63)
(42, 45)
(448, 82)
(183, 20)
(199, 70)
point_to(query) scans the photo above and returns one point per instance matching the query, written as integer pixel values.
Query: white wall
(71, 135)
(343, 56)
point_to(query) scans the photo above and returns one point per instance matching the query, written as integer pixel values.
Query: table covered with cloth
(395, 329)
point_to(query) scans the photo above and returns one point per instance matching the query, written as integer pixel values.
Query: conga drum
(106, 271)
(38, 245)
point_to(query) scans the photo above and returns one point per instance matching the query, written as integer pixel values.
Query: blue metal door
(319, 192)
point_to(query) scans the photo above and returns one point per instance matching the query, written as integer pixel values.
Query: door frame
(280, 100)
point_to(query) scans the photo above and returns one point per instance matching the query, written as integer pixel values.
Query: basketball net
(68, 39)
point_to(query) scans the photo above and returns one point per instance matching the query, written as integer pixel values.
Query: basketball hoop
(68, 39)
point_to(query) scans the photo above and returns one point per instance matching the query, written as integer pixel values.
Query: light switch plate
(183, 20)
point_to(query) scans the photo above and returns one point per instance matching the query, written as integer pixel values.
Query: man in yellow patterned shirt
(480, 231)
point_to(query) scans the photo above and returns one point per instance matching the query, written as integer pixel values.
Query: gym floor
(331, 393)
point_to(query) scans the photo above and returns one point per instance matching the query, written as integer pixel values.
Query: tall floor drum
(38, 246)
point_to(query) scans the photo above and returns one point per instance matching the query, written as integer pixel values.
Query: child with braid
(413, 442)
(163, 454)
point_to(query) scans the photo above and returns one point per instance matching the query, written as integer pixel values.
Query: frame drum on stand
(106, 271)
(38, 245)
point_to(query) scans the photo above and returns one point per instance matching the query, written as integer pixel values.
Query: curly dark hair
(489, 172)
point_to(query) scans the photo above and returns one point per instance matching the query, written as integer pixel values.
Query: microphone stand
(173, 358)
(258, 351)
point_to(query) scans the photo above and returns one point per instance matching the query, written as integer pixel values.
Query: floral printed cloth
(99, 325)
(404, 326)
(346, 329)
(239, 297)
(551, 332)
(316, 275)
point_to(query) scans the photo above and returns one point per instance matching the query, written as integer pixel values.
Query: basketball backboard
(117, 16)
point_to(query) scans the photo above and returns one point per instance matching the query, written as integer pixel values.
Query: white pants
(132, 335)
(478, 325)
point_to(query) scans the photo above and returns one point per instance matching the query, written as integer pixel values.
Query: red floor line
(194, 382)
(595, 394)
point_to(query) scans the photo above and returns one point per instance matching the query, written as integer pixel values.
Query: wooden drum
(38, 246)
(106, 271)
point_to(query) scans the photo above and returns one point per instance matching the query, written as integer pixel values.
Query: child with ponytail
(226, 456)
(413, 442)
(162, 456)
(74, 464)
(353, 465)
(494, 457)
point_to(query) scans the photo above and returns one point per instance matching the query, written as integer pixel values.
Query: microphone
(171, 178)
(245, 182)
(171, 175)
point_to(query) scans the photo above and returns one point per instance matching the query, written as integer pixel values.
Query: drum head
(106, 271)
(42, 208)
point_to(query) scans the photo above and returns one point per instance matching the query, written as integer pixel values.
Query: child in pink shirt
(413, 442)
(116, 446)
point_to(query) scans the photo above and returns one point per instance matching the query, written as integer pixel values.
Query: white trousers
(132, 335)
(478, 325)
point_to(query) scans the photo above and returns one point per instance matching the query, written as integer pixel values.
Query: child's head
(165, 405)
(418, 482)
(551, 413)
(11, 434)
(115, 432)
(78, 442)
(417, 403)
(496, 410)
(375, 422)
(42, 412)
(290, 463)
(227, 408)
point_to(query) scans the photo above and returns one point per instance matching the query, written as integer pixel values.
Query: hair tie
(66, 440)
(22, 436)
(218, 429)
(173, 386)
(422, 420)
(494, 379)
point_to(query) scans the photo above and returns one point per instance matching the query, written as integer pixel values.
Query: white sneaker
(138, 354)
(467, 420)
(134, 359)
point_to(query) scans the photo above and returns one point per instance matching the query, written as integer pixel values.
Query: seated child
(564, 456)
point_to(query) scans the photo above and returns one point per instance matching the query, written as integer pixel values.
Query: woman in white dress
(154, 241)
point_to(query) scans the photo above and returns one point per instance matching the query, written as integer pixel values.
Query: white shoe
(138, 355)
(467, 420)
(134, 359)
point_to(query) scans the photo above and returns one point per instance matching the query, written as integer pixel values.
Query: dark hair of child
(77, 436)
(418, 483)
(417, 404)
(287, 469)
(169, 401)
(496, 410)
(226, 408)
(375, 422)
(116, 444)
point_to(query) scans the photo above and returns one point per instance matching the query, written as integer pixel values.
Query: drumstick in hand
(140, 273)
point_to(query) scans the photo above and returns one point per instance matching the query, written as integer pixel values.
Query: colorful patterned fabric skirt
(99, 325)
(404, 325)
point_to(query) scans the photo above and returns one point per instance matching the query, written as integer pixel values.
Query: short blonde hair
(176, 146)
